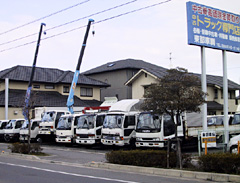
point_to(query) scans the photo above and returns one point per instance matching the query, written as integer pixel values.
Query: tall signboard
(213, 28)
(218, 29)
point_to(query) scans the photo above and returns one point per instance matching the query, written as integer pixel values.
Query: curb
(137, 169)
(30, 157)
(168, 172)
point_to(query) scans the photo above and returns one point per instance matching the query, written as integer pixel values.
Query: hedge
(147, 158)
(220, 163)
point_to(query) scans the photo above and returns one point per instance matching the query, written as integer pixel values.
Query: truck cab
(120, 123)
(236, 119)
(24, 133)
(66, 128)
(3, 123)
(153, 130)
(12, 130)
(89, 128)
(49, 122)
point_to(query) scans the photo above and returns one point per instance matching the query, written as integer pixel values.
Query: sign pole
(225, 97)
(204, 88)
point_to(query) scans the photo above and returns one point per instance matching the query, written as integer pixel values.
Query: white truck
(149, 134)
(66, 129)
(89, 128)
(12, 130)
(47, 127)
(154, 130)
(3, 123)
(235, 140)
(120, 122)
(24, 131)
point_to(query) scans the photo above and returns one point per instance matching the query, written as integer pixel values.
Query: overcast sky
(150, 34)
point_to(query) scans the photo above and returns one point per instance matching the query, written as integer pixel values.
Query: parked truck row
(121, 124)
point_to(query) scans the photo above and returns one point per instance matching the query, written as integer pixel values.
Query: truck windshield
(49, 116)
(113, 121)
(64, 123)
(148, 121)
(11, 124)
(3, 125)
(215, 120)
(25, 125)
(236, 119)
(86, 121)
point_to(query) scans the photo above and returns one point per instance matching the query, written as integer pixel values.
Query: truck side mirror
(119, 121)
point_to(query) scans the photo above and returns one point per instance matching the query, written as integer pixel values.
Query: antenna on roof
(170, 58)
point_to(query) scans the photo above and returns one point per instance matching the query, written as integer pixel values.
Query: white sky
(150, 35)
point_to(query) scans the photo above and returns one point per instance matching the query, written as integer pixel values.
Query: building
(116, 74)
(145, 77)
(129, 78)
(50, 88)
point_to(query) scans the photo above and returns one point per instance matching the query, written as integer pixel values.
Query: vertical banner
(213, 28)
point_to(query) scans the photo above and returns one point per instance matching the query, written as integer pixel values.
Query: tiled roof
(211, 80)
(125, 64)
(155, 70)
(44, 98)
(47, 75)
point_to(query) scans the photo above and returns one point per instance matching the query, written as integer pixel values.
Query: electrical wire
(100, 21)
(73, 21)
(60, 11)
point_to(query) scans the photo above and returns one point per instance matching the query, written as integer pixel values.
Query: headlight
(138, 139)
(157, 139)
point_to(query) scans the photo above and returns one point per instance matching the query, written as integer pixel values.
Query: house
(129, 79)
(50, 88)
(146, 77)
(116, 74)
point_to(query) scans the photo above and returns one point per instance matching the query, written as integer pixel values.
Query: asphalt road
(14, 170)
(68, 164)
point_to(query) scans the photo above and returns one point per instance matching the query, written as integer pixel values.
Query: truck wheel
(6, 138)
(132, 144)
(39, 140)
(234, 149)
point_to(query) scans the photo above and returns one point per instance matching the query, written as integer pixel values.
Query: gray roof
(44, 99)
(125, 64)
(211, 80)
(155, 70)
(47, 75)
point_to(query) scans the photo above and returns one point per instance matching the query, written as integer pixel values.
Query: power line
(133, 11)
(67, 23)
(100, 21)
(65, 9)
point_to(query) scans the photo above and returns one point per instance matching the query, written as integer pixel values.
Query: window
(215, 93)
(36, 86)
(169, 126)
(49, 86)
(129, 121)
(231, 95)
(65, 89)
(18, 124)
(86, 92)
(99, 120)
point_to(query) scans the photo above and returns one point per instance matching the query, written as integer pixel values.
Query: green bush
(22, 148)
(148, 158)
(220, 163)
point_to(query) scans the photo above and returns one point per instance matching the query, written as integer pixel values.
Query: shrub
(220, 163)
(22, 148)
(148, 158)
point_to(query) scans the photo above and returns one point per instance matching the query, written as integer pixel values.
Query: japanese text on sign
(213, 28)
